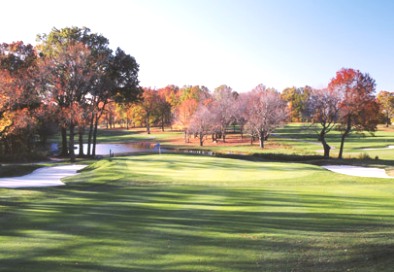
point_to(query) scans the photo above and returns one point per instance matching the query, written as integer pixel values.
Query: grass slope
(187, 213)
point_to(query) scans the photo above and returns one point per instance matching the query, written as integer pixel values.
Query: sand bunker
(358, 171)
(379, 148)
(42, 177)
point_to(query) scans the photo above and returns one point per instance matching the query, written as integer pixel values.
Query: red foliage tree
(358, 109)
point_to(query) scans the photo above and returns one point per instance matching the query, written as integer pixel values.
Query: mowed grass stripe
(188, 213)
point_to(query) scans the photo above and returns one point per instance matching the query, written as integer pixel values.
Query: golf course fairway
(198, 213)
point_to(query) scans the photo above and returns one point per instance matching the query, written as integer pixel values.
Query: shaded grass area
(15, 170)
(191, 213)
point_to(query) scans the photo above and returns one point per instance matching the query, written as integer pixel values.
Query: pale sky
(240, 43)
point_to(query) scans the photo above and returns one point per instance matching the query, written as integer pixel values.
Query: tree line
(71, 81)
(65, 82)
(348, 104)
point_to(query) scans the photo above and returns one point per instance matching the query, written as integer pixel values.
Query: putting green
(183, 169)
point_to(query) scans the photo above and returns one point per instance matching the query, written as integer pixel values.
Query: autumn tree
(297, 101)
(171, 94)
(324, 108)
(184, 113)
(19, 96)
(198, 93)
(265, 111)
(114, 75)
(224, 108)
(149, 105)
(357, 108)
(66, 77)
(201, 123)
(163, 110)
(116, 81)
(386, 102)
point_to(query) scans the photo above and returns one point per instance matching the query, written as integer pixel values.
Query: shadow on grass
(117, 227)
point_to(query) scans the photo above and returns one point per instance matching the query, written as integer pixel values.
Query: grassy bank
(191, 213)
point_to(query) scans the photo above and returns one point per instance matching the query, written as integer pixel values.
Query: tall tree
(201, 123)
(324, 108)
(386, 102)
(266, 110)
(115, 76)
(358, 108)
(19, 94)
(66, 76)
(184, 113)
(224, 108)
(149, 104)
(116, 81)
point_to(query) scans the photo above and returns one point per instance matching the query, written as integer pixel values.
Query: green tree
(386, 102)
(297, 102)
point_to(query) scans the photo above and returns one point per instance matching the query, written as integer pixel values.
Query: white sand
(358, 171)
(42, 177)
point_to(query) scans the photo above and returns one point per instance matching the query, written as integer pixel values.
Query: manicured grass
(293, 138)
(191, 213)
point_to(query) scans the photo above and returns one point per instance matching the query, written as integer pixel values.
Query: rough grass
(188, 213)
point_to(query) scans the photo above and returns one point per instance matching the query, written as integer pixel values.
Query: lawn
(195, 213)
(293, 138)
(302, 139)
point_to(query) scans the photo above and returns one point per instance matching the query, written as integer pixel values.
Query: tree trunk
(261, 140)
(344, 135)
(162, 123)
(185, 133)
(387, 120)
(96, 119)
(326, 147)
(64, 151)
(261, 136)
(201, 139)
(80, 140)
(147, 123)
(342, 145)
(71, 143)
(90, 134)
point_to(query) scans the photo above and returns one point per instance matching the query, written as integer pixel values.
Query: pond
(121, 148)
(115, 149)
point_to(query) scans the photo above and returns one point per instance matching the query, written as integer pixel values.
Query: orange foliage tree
(19, 96)
(358, 109)
(386, 102)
